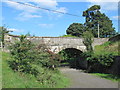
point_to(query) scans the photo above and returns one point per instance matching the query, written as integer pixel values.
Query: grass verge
(107, 47)
(108, 76)
(13, 79)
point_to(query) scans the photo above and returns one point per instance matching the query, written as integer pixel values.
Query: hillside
(108, 47)
(112, 46)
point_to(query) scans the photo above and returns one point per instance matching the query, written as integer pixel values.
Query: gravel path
(80, 79)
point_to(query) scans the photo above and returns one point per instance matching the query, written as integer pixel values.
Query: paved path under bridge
(79, 79)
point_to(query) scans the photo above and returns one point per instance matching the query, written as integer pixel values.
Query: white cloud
(102, 0)
(21, 7)
(25, 16)
(116, 17)
(14, 30)
(46, 25)
(31, 12)
(68, 0)
(46, 3)
(105, 4)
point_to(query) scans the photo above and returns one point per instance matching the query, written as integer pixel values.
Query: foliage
(71, 56)
(93, 17)
(88, 40)
(67, 36)
(106, 59)
(3, 31)
(108, 47)
(34, 60)
(107, 76)
(22, 55)
(99, 62)
(27, 56)
(75, 29)
(11, 79)
(46, 58)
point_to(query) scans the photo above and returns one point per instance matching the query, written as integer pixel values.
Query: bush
(46, 58)
(99, 62)
(22, 55)
(88, 40)
(104, 59)
(27, 56)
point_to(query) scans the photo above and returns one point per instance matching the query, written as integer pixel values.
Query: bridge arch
(73, 57)
(57, 49)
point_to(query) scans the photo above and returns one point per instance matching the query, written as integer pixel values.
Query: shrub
(88, 40)
(26, 57)
(22, 55)
(105, 59)
(99, 62)
(46, 58)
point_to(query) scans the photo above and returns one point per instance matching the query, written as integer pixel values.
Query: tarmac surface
(79, 79)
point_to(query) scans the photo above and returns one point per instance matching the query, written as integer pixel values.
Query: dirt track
(80, 79)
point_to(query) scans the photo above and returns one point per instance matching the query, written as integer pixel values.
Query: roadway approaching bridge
(56, 44)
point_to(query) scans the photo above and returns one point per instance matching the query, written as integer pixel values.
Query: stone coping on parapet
(50, 37)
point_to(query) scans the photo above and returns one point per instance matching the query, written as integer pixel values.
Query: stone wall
(56, 44)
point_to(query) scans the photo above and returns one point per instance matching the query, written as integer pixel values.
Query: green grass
(0, 69)
(108, 76)
(108, 47)
(11, 79)
(67, 36)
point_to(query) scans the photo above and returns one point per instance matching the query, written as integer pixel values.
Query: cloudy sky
(23, 19)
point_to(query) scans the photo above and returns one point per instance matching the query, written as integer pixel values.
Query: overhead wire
(44, 8)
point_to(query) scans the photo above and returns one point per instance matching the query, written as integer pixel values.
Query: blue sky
(23, 19)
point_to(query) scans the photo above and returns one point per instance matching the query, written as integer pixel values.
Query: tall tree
(94, 18)
(75, 29)
(3, 31)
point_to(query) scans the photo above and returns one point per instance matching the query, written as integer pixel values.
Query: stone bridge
(56, 44)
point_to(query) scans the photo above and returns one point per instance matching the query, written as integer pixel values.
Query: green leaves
(75, 29)
(105, 59)
(26, 56)
(94, 17)
(3, 31)
(88, 40)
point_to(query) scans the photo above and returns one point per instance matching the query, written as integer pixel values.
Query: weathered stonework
(56, 44)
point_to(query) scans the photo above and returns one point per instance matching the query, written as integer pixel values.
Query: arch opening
(73, 58)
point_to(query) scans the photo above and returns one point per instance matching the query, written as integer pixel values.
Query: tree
(88, 40)
(75, 29)
(94, 17)
(3, 31)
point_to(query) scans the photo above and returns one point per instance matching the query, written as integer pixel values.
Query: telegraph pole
(98, 31)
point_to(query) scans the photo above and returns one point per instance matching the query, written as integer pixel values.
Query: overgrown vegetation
(107, 76)
(101, 59)
(67, 36)
(107, 47)
(88, 40)
(31, 66)
(70, 56)
(3, 31)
